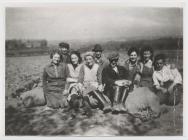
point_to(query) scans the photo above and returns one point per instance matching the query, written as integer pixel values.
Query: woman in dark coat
(54, 80)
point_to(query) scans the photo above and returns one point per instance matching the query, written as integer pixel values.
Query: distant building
(25, 44)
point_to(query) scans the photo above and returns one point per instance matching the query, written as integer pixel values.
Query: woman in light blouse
(72, 80)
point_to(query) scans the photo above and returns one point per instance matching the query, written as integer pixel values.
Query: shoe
(107, 108)
(122, 108)
(117, 93)
(103, 100)
(47, 108)
(115, 109)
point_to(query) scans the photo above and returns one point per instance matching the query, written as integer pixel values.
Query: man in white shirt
(166, 80)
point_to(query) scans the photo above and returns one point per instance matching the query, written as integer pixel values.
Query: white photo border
(139, 3)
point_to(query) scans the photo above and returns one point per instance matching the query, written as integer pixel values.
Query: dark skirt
(54, 96)
(171, 98)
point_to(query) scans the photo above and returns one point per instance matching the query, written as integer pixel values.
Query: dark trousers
(172, 98)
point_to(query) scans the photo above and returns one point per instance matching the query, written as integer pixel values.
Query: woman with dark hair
(167, 81)
(72, 78)
(54, 80)
(132, 64)
(74, 67)
(146, 67)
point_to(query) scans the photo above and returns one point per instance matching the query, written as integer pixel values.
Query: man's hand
(164, 90)
(100, 88)
(137, 77)
(117, 83)
(65, 92)
(122, 83)
(80, 86)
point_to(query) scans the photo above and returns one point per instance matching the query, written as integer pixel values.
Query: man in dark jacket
(111, 76)
(100, 60)
(64, 50)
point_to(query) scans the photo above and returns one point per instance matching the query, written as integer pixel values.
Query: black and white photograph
(100, 69)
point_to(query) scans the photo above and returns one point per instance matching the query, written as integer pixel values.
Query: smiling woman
(132, 64)
(54, 80)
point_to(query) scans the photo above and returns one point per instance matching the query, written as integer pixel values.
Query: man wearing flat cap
(111, 75)
(99, 59)
(64, 50)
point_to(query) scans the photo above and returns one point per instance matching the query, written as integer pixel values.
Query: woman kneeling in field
(167, 81)
(54, 80)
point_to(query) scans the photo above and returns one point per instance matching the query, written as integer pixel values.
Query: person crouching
(116, 86)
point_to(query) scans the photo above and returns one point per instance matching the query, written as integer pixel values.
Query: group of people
(99, 82)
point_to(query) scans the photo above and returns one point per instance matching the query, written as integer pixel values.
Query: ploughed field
(35, 121)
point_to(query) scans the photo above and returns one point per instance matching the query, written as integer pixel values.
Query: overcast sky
(92, 22)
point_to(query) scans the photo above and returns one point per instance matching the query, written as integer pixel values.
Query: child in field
(167, 81)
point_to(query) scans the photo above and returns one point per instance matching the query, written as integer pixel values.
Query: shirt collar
(135, 64)
(149, 61)
(52, 64)
(98, 60)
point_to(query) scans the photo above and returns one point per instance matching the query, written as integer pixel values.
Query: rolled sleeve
(177, 76)
(155, 80)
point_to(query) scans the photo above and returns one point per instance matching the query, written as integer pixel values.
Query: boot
(106, 104)
(86, 107)
(123, 98)
(117, 93)
(74, 101)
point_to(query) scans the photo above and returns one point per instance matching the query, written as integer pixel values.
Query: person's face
(133, 57)
(74, 59)
(89, 60)
(56, 58)
(98, 54)
(159, 64)
(64, 50)
(113, 63)
(147, 55)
